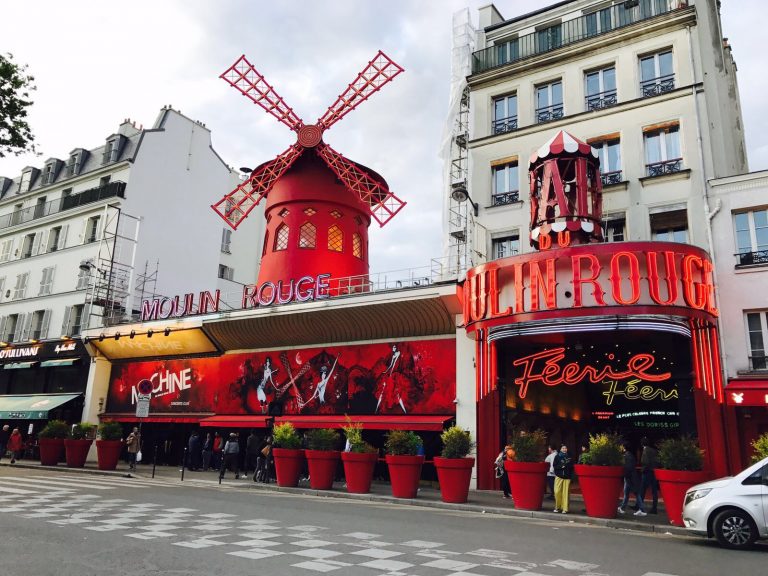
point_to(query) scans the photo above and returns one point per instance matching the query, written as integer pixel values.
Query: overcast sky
(98, 62)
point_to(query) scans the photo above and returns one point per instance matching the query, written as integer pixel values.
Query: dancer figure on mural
(265, 377)
(388, 388)
(325, 376)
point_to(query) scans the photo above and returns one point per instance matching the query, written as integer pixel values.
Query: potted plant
(51, 442)
(454, 469)
(403, 463)
(359, 460)
(600, 474)
(78, 443)
(109, 445)
(527, 472)
(759, 448)
(322, 457)
(680, 467)
(288, 455)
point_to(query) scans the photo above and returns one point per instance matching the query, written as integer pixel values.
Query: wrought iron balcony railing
(664, 167)
(502, 125)
(549, 113)
(572, 31)
(611, 178)
(602, 100)
(758, 362)
(505, 198)
(752, 258)
(89, 196)
(657, 86)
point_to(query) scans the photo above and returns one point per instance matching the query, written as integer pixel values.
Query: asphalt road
(70, 524)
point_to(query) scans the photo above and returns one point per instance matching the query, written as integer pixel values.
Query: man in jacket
(649, 461)
(231, 454)
(563, 465)
(251, 451)
(631, 482)
(5, 434)
(133, 442)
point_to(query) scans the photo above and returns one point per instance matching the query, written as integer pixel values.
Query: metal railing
(602, 100)
(505, 198)
(549, 113)
(664, 167)
(62, 204)
(502, 125)
(752, 258)
(657, 86)
(572, 31)
(611, 178)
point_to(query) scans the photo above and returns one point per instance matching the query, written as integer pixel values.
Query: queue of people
(228, 453)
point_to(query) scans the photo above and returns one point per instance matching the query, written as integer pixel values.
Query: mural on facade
(417, 377)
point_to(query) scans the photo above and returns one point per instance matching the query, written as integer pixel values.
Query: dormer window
(112, 149)
(25, 184)
(73, 166)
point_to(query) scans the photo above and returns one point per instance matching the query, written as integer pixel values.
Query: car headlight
(695, 495)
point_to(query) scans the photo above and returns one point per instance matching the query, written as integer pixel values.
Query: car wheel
(734, 528)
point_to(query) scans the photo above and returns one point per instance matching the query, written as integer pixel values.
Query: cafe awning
(246, 421)
(158, 418)
(18, 365)
(746, 392)
(32, 407)
(58, 362)
(370, 422)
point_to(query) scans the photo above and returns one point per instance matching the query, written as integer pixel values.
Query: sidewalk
(480, 501)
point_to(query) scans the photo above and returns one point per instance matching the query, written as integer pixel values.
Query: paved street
(66, 524)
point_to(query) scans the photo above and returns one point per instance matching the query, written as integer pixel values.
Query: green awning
(58, 362)
(19, 365)
(32, 407)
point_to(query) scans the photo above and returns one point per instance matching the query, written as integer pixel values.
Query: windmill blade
(382, 203)
(380, 70)
(236, 205)
(243, 76)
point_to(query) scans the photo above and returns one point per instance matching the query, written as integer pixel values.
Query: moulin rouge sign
(305, 289)
(590, 276)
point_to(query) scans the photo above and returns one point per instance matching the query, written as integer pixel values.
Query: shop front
(746, 416)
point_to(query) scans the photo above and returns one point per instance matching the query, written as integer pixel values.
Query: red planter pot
(288, 466)
(454, 475)
(322, 468)
(108, 452)
(358, 471)
(76, 452)
(527, 481)
(51, 451)
(673, 485)
(600, 486)
(404, 475)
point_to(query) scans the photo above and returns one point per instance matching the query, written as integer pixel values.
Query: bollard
(183, 464)
(154, 461)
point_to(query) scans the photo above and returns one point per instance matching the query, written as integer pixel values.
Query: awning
(32, 407)
(245, 421)
(18, 365)
(156, 418)
(746, 392)
(59, 362)
(372, 422)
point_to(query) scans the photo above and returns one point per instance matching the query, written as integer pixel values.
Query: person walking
(563, 465)
(207, 452)
(649, 461)
(251, 452)
(550, 459)
(194, 452)
(218, 445)
(501, 472)
(15, 445)
(263, 460)
(133, 442)
(5, 435)
(631, 483)
(231, 455)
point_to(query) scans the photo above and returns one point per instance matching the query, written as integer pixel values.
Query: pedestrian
(631, 482)
(231, 455)
(550, 459)
(583, 454)
(5, 434)
(649, 461)
(501, 473)
(263, 461)
(207, 452)
(251, 452)
(133, 442)
(218, 445)
(15, 445)
(194, 453)
(563, 465)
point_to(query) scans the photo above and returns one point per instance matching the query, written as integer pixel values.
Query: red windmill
(319, 203)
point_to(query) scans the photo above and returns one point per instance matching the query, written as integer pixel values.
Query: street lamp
(460, 194)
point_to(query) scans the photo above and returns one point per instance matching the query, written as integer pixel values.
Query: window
(609, 152)
(662, 150)
(11, 323)
(26, 181)
(230, 210)
(310, 211)
(5, 250)
(56, 238)
(615, 228)
(549, 38)
(671, 226)
(357, 245)
(505, 114)
(549, 102)
(307, 235)
(226, 241)
(73, 166)
(598, 22)
(46, 282)
(656, 74)
(335, 239)
(336, 214)
(111, 151)
(281, 238)
(600, 88)
(39, 324)
(83, 278)
(757, 332)
(284, 212)
(20, 290)
(91, 230)
(506, 189)
(2, 288)
(507, 52)
(77, 320)
(751, 237)
(40, 207)
(27, 245)
(506, 246)
(226, 272)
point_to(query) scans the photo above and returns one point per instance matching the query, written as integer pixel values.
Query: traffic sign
(144, 387)
(142, 405)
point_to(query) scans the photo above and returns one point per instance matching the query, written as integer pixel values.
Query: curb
(113, 473)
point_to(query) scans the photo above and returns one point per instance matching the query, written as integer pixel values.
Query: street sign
(142, 405)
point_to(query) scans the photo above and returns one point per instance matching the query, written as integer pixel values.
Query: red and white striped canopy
(560, 143)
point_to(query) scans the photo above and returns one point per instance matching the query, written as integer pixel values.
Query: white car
(733, 509)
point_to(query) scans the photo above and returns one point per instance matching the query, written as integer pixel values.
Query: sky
(97, 63)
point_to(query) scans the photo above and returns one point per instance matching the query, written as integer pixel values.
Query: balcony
(664, 167)
(611, 178)
(111, 190)
(503, 125)
(575, 30)
(657, 86)
(759, 257)
(602, 100)
(505, 198)
(549, 113)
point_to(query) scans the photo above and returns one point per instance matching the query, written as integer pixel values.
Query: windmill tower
(319, 203)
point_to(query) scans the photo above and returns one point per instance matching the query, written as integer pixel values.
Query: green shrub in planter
(55, 429)
(402, 443)
(529, 446)
(604, 450)
(285, 436)
(82, 431)
(110, 431)
(326, 439)
(681, 454)
(457, 443)
(354, 434)
(760, 447)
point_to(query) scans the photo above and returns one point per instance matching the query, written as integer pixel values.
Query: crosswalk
(28, 485)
